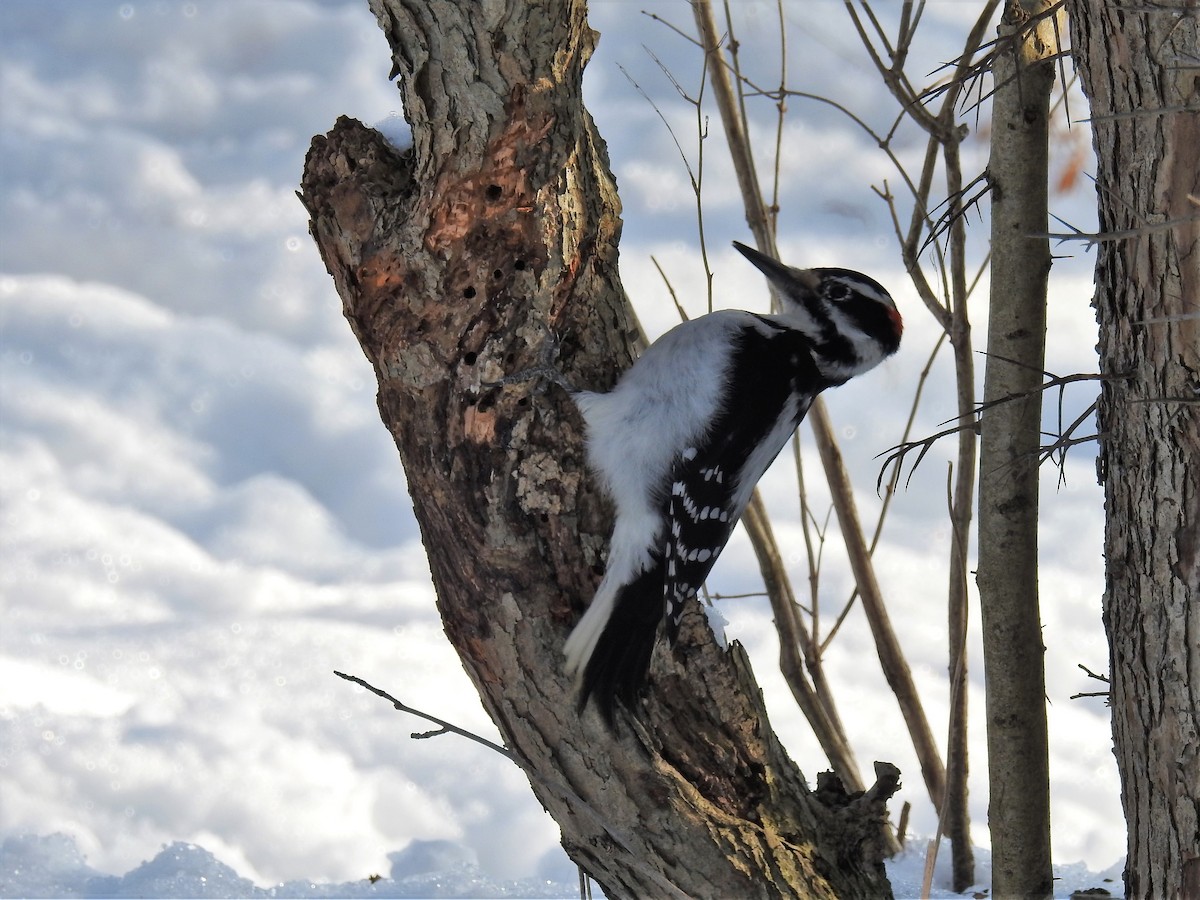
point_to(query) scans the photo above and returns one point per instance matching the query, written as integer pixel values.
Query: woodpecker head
(851, 321)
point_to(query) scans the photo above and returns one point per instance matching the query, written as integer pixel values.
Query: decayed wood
(1139, 66)
(452, 260)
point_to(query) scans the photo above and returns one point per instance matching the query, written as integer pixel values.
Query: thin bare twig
(557, 787)
(1099, 237)
(1101, 678)
(900, 451)
(443, 727)
(683, 316)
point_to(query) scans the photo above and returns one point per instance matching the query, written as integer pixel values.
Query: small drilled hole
(494, 192)
(469, 358)
(498, 274)
(469, 293)
(519, 265)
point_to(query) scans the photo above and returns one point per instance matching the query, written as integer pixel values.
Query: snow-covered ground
(51, 865)
(201, 516)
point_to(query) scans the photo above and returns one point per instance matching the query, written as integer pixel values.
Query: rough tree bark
(1140, 67)
(1010, 439)
(452, 260)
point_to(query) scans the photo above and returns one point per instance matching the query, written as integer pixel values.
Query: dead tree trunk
(1139, 65)
(452, 260)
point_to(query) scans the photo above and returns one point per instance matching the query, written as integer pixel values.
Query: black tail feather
(616, 671)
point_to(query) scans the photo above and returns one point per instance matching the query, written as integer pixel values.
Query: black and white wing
(772, 384)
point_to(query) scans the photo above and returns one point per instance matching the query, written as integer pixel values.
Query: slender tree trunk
(895, 666)
(452, 260)
(1140, 67)
(1010, 438)
(955, 812)
(945, 133)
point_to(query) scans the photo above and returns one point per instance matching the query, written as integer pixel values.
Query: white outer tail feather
(629, 555)
(626, 470)
(583, 638)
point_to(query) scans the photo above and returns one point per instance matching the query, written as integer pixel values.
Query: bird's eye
(838, 291)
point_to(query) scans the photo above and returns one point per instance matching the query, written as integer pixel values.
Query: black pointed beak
(783, 277)
(766, 264)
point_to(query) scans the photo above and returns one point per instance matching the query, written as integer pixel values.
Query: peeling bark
(452, 260)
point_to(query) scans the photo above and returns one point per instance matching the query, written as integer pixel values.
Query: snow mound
(53, 866)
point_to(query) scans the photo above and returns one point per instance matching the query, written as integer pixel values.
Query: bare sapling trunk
(816, 706)
(453, 259)
(895, 666)
(949, 306)
(1010, 438)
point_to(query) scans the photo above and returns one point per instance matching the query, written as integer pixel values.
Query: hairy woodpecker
(683, 438)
